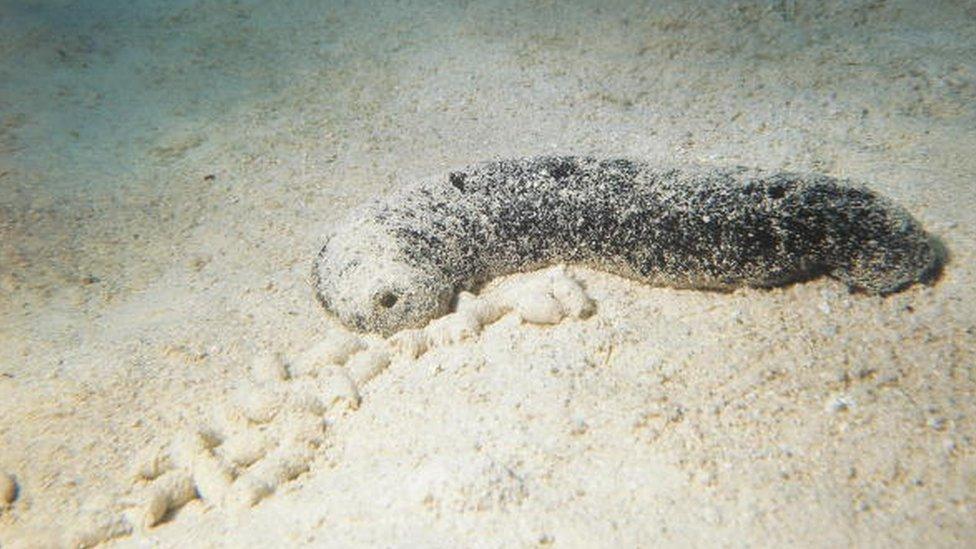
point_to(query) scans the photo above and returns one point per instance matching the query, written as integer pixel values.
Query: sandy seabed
(168, 171)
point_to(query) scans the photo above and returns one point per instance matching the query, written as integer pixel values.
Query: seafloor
(168, 170)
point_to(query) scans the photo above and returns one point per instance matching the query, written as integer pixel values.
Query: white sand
(156, 326)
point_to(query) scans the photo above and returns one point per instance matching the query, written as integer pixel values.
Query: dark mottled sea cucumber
(398, 262)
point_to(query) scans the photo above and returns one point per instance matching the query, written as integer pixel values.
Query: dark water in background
(88, 86)
(111, 112)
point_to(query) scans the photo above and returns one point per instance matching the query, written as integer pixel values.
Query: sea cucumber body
(398, 261)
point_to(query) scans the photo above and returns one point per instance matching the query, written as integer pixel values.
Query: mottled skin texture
(399, 261)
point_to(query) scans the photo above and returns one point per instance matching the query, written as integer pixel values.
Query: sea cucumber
(398, 261)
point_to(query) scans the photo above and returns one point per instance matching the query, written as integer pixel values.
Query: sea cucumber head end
(371, 289)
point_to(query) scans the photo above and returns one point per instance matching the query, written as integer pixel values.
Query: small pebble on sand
(8, 488)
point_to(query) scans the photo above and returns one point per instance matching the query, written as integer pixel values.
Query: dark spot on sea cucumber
(388, 300)
(776, 191)
(561, 168)
(457, 180)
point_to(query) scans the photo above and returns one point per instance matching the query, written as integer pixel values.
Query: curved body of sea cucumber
(399, 261)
